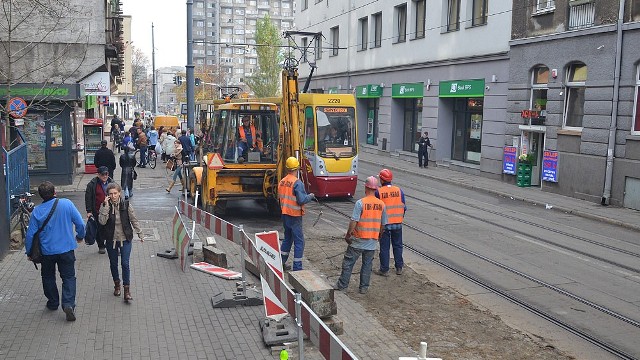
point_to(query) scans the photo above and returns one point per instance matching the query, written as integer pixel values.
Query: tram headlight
(353, 172)
(321, 172)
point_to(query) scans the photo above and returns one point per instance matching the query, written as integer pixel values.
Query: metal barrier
(16, 173)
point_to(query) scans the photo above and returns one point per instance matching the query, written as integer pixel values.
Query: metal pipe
(299, 323)
(190, 76)
(606, 196)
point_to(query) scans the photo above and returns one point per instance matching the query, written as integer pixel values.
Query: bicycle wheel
(24, 222)
(136, 155)
(152, 159)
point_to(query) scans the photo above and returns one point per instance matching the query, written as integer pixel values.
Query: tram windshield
(246, 136)
(336, 131)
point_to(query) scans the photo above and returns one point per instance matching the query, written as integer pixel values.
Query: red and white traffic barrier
(216, 271)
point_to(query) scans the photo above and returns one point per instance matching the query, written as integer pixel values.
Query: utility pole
(153, 66)
(190, 79)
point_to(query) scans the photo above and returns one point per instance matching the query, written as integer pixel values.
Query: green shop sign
(369, 91)
(41, 91)
(413, 90)
(462, 88)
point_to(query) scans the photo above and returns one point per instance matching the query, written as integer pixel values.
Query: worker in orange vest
(292, 198)
(393, 198)
(247, 137)
(365, 228)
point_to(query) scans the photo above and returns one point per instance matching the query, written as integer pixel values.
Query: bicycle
(24, 208)
(151, 157)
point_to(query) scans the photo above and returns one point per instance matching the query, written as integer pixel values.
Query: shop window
(453, 15)
(574, 95)
(412, 109)
(335, 40)
(377, 29)
(318, 48)
(419, 9)
(479, 12)
(636, 115)
(400, 23)
(363, 33)
(539, 89)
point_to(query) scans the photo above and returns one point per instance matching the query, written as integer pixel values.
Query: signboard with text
(368, 91)
(550, 166)
(412, 90)
(509, 160)
(462, 88)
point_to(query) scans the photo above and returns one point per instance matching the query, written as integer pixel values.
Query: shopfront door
(467, 130)
(536, 148)
(412, 124)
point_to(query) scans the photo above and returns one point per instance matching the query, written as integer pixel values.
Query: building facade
(223, 32)
(440, 66)
(565, 57)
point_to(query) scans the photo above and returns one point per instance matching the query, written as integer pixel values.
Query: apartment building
(575, 64)
(224, 30)
(417, 65)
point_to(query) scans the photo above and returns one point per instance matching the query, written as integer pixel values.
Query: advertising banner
(509, 160)
(550, 166)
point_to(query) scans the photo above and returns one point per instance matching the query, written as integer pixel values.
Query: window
(545, 5)
(636, 115)
(453, 15)
(581, 15)
(574, 95)
(400, 23)
(419, 10)
(318, 48)
(479, 12)
(377, 29)
(363, 33)
(305, 43)
(539, 89)
(335, 40)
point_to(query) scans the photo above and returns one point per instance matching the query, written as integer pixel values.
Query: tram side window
(310, 134)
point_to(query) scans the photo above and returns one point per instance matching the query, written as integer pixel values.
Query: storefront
(408, 99)
(368, 103)
(48, 130)
(466, 98)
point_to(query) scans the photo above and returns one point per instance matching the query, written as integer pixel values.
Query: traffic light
(197, 82)
(177, 80)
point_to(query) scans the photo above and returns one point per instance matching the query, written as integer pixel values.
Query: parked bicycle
(24, 207)
(152, 157)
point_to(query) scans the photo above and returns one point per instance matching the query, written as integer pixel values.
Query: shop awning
(369, 91)
(410, 90)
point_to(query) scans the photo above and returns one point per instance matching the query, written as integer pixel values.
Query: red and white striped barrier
(268, 243)
(324, 339)
(216, 271)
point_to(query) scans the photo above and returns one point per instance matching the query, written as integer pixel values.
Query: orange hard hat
(371, 183)
(386, 175)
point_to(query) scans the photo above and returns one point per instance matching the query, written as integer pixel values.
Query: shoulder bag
(36, 250)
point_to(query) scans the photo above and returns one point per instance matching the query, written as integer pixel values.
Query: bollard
(422, 355)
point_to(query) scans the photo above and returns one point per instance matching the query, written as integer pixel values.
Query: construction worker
(247, 136)
(292, 199)
(393, 198)
(365, 228)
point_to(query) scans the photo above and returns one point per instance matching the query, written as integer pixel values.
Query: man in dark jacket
(105, 157)
(187, 149)
(94, 196)
(423, 149)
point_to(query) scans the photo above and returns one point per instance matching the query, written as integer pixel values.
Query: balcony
(581, 14)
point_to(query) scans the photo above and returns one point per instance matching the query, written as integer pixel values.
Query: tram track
(509, 297)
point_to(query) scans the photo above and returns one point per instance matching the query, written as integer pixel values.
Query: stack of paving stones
(214, 255)
(319, 295)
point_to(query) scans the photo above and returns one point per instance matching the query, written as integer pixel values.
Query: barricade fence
(329, 345)
(16, 173)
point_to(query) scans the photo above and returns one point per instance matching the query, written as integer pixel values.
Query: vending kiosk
(92, 133)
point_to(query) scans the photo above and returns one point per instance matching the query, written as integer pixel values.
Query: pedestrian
(186, 146)
(192, 140)
(94, 195)
(292, 199)
(153, 137)
(127, 141)
(168, 146)
(176, 157)
(127, 163)
(142, 145)
(119, 221)
(393, 198)
(117, 122)
(365, 229)
(105, 157)
(58, 245)
(423, 152)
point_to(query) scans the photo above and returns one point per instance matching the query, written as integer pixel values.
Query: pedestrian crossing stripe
(216, 271)
(215, 162)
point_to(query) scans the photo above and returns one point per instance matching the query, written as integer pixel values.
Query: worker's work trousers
(292, 236)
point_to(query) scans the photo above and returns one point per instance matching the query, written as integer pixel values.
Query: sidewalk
(609, 214)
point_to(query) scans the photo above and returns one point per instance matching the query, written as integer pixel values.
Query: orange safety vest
(392, 198)
(288, 202)
(243, 136)
(368, 227)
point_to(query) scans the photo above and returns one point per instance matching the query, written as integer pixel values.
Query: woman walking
(119, 221)
(177, 157)
(127, 163)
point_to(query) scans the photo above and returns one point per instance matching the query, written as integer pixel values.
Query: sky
(169, 18)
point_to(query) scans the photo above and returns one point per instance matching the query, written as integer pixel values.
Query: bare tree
(46, 42)
(141, 82)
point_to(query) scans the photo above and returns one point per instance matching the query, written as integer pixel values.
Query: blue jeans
(125, 254)
(292, 236)
(66, 267)
(391, 238)
(177, 173)
(350, 257)
(143, 155)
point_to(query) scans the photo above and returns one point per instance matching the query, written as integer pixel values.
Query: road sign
(215, 162)
(17, 107)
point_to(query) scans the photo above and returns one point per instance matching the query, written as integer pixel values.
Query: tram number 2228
(333, 101)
